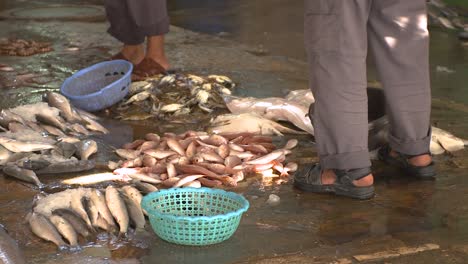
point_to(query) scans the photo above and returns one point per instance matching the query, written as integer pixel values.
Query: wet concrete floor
(302, 228)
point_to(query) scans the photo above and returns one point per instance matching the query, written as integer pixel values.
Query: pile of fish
(195, 159)
(21, 47)
(46, 138)
(259, 116)
(170, 96)
(83, 211)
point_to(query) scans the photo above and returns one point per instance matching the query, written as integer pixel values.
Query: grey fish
(32, 163)
(65, 229)
(59, 101)
(53, 130)
(116, 205)
(99, 200)
(86, 148)
(77, 223)
(135, 213)
(145, 187)
(76, 204)
(22, 174)
(96, 219)
(68, 166)
(5, 154)
(55, 121)
(80, 129)
(23, 146)
(44, 229)
(9, 250)
(94, 125)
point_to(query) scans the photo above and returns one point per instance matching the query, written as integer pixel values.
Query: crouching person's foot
(356, 183)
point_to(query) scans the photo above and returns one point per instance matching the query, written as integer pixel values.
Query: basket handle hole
(122, 73)
(123, 88)
(116, 73)
(108, 74)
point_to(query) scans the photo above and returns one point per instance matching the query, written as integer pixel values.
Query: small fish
(267, 158)
(99, 201)
(6, 116)
(145, 187)
(159, 154)
(175, 146)
(210, 183)
(149, 161)
(74, 220)
(144, 178)
(60, 102)
(133, 145)
(117, 207)
(135, 213)
(22, 174)
(86, 148)
(96, 178)
(292, 143)
(223, 151)
(65, 229)
(127, 153)
(76, 204)
(51, 120)
(23, 146)
(80, 129)
(44, 229)
(193, 184)
(232, 161)
(93, 125)
(153, 137)
(187, 179)
(148, 145)
(68, 166)
(9, 250)
(132, 193)
(194, 169)
(53, 130)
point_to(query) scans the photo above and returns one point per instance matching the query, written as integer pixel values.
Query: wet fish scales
(65, 229)
(22, 174)
(117, 207)
(78, 224)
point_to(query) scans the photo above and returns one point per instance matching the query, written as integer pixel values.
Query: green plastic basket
(194, 216)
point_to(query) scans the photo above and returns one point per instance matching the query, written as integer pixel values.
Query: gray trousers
(131, 21)
(337, 34)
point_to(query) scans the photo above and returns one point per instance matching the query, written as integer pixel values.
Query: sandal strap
(348, 176)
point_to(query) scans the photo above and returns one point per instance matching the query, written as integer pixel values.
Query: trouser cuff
(157, 29)
(411, 147)
(346, 161)
(126, 38)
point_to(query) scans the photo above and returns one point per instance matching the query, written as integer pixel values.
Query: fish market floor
(404, 216)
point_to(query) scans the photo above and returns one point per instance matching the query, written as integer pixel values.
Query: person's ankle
(161, 59)
(418, 161)
(134, 53)
(329, 177)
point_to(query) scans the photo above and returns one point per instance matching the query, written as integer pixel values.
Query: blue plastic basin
(99, 86)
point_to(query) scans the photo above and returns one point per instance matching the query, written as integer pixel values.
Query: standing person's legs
(399, 39)
(336, 44)
(123, 28)
(152, 20)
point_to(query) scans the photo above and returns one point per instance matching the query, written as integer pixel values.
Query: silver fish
(99, 200)
(93, 125)
(145, 187)
(44, 229)
(77, 223)
(22, 174)
(55, 121)
(68, 166)
(117, 207)
(135, 213)
(22, 146)
(60, 102)
(65, 229)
